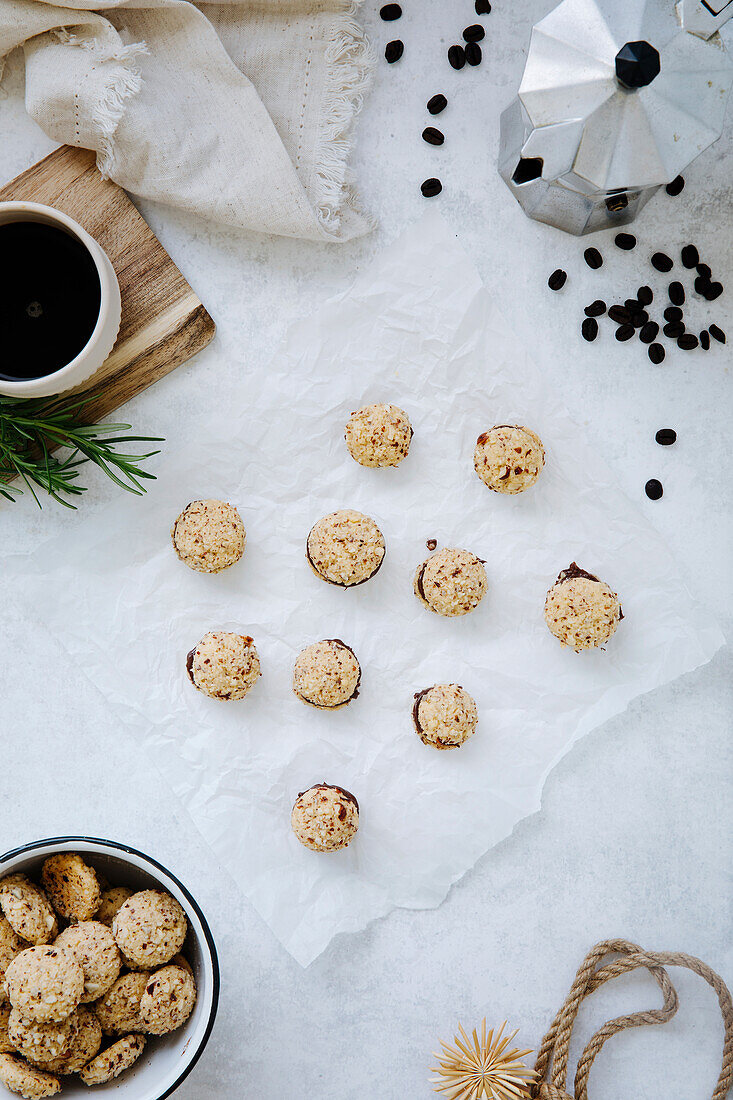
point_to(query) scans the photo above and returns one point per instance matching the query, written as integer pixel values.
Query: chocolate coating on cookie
(452, 582)
(325, 818)
(327, 674)
(509, 458)
(444, 716)
(345, 548)
(580, 610)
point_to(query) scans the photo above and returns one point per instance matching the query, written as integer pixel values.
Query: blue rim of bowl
(120, 847)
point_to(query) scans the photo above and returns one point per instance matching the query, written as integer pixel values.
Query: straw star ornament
(481, 1067)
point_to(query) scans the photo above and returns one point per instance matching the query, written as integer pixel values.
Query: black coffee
(49, 299)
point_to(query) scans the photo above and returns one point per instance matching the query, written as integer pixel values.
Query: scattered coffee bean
(662, 262)
(632, 304)
(437, 103)
(626, 241)
(639, 318)
(393, 51)
(457, 56)
(433, 136)
(702, 284)
(593, 258)
(483, 7)
(558, 279)
(688, 341)
(676, 293)
(675, 186)
(474, 33)
(705, 340)
(717, 333)
(473, 53)
(656, 353)
(690, 256)
(432, 187)
(673, 313)
(645, 295)
(620, 314)
(713, 291)
(674, 329)
(649, 332)
(704, 270)
(595, 309)
(625, 332)
(653, 488)
(589, 328)
(665, 437)
(390, 12)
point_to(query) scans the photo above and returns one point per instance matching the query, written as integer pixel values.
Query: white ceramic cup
(100, 343)
(166, 1060)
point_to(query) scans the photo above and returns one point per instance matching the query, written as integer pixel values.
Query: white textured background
(633, 834)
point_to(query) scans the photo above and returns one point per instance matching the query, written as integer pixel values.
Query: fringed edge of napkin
(351, 64)
(122, 80)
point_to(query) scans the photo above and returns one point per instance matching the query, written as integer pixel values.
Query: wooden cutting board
(163, 322)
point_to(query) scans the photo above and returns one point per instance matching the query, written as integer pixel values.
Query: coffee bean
(620, 314)
(705, 340)
(702, 284)
(717, 333)
(557, 279)
(457, 56)
(688, 341)
(632, 304)
(674, 329)
(665, 437)
(437, 103)
(390, 12)
(639, 318)
(653, 488)
(662, 262)
(673, 313)
(483, 7)
(433, 136)
(593, 258)
(690, 256)
(624, 332)
(595, 309)
(713, 291)
(430, 188)
(649, 332)
(473, 53)
(676, 293)
(675, 186)
(474, 33)
(589, 328)
(626, 241)
(704, 270)
(645, 295)
(393, 51)
(656, 353)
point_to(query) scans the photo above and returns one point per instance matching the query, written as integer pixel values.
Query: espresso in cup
(50, 299)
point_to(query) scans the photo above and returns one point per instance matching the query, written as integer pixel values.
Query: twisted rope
(552, 1058)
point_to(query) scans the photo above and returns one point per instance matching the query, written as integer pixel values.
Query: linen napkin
(238, 111)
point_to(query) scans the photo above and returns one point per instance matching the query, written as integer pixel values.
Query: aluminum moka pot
(617, 97)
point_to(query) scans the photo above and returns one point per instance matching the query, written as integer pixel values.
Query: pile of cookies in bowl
(92, 974)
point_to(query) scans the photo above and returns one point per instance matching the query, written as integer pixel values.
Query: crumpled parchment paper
(417, 329)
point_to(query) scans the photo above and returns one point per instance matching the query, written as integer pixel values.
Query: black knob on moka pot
(637, 65)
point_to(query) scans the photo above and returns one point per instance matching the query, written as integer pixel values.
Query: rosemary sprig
(30, 431)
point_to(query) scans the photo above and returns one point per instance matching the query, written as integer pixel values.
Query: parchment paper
(418, 330)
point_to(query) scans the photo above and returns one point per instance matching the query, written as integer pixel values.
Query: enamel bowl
(166, 1060)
